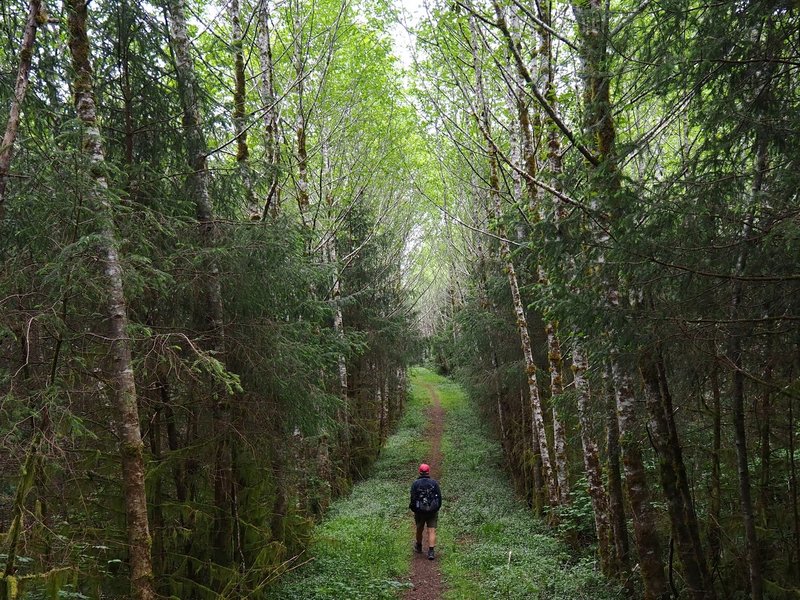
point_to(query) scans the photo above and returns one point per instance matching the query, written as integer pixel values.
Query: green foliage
(492, 547)
(576, 520)
(267, 397)
(362, 548)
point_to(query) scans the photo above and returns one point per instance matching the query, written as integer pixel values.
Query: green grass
(491, 545)
(363, 547)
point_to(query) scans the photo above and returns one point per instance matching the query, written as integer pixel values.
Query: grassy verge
(491, 545)
(363, 547)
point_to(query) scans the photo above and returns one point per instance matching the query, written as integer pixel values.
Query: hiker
(426, 500)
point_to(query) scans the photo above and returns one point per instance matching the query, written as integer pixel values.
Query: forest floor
(489, 545)
(426, 578)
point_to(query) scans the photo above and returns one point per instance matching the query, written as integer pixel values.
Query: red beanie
(423, 468)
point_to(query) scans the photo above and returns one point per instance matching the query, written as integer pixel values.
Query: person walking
(426, 500)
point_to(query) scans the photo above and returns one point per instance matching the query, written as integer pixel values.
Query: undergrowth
(491, 545)
(363, 547)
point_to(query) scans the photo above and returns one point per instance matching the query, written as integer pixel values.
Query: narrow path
(488, 544)
(426, 578)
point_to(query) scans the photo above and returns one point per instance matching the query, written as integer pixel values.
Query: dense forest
(227, 229)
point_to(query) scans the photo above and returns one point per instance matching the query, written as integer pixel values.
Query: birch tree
(481, 115)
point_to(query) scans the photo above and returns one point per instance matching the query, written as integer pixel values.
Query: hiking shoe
(430, 553)
(418, 547)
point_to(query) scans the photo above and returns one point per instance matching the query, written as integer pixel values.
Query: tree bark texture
(673, 477)
(523, 156)
(269, 100)
(35, 18)
(482, 118)
(591, 457)
(299, 59)
(120, 370)
(239, 110)
(620, 560)
(684, 488)
(644, 527)
(592, 20)
(537, 200)
(555, 362)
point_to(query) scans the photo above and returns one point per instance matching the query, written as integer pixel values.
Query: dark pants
(429, 519)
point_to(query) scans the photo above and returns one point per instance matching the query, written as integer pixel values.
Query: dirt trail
(425, 575)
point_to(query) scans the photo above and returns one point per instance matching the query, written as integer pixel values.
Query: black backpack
(426, 500)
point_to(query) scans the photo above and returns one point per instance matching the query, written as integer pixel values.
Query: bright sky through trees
(228, 228)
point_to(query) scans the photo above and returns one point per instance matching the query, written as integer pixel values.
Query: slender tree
(120, 370)
(36, 17)
(213, 311)
(482, 117)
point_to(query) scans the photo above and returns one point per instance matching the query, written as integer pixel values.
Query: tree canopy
(227, 229)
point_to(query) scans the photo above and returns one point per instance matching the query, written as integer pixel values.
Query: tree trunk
(336, 299)
(765, 452)
(682, 516)
(483, 299)
(737, 391)
(495, 208)
(620, 560)
(591, 458)
(715, 507)
(120, 372)
(159, 552)
(554, 357)
(239, 110)
(222, 533)
(684, 489)
(793, 480)
(269, 100)
(35, 18)
(381, 411)
(559, 432)
(644, 528)
(592, 19)
(501, 422)
(25, 483)
(530, 167)
(301, 156)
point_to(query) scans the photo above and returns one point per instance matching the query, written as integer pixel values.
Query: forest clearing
(243, 242)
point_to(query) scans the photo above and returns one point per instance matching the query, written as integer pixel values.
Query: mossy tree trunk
(269, 100)
(620, 559)
(593, 18)
(591, 458)
(481, 114)
(120, 370)
(299, 58)
(35, 18)
(673, 480)
(240, 109)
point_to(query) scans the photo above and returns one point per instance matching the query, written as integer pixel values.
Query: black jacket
(415, 485)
